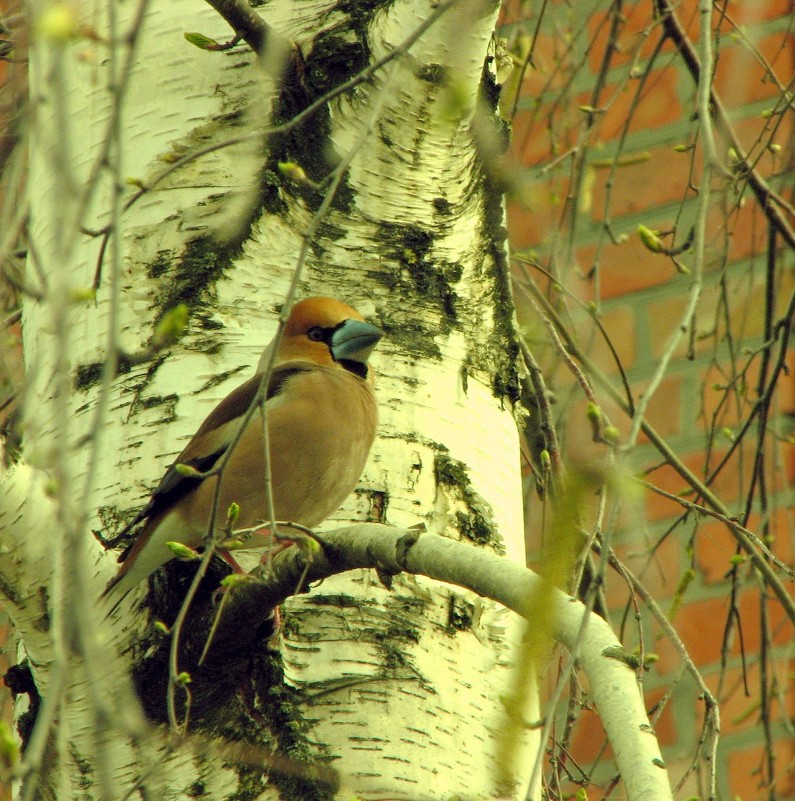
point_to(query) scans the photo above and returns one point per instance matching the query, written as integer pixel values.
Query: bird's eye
(315, 334)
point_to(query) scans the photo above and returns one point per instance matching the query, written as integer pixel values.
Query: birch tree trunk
(397, 689)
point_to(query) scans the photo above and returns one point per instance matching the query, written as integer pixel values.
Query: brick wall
(635, 166)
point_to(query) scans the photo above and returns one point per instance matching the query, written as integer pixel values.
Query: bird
(321, 416)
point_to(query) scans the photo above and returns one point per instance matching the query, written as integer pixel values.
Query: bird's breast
(321, 426)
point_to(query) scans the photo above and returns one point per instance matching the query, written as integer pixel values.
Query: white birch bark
(398, 688)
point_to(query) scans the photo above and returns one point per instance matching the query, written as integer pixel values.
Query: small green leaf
(201, 41)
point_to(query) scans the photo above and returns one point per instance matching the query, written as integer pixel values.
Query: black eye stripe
(319, 334)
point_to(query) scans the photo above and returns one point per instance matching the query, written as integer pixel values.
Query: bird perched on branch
(321, 416)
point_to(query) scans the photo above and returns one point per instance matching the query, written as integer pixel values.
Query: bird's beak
(354, 340)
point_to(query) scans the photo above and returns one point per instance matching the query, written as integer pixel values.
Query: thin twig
(673, 459)
(769, 200)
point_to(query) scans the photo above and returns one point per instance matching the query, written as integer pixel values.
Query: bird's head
(327, 331)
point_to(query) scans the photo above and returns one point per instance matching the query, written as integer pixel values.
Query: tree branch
(245, 22)
(393, 550)
(769, 200)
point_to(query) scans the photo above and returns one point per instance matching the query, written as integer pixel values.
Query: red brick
(760, 11)
(740, 78)
(663, 412)
(714, 547)
(513, 11)
(741, 13)
(641, 183)
(746, 775)
(664, 726)
(657, 105)
(757, 132)
(780, 537)
(539, 136)
(552, 65)
(741, 299)
(700, 626)
(631, 42)
(619, 327)
(740, 712)
(589, 737)
(536, 218)
(659, 568)
(715, 544)
(745, 230)
(628, 267)
(668, 479)
(723, 405)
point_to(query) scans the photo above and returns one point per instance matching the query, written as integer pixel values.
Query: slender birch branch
(392, 550)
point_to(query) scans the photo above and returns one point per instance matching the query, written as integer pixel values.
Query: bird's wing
(208, 444)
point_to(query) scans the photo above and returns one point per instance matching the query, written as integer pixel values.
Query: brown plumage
(322, 418)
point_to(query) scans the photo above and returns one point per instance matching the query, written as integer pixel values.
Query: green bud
(57, 23)
(236, 579)
(593, 412)
(182, 551)
(650, 239)
(611, 434)
(186, 470)
(232, 513)
(232, 544)
(161, 627)
(183, 679)
(81, 294)
(170, 327)
(293, 171)
(9, 748)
